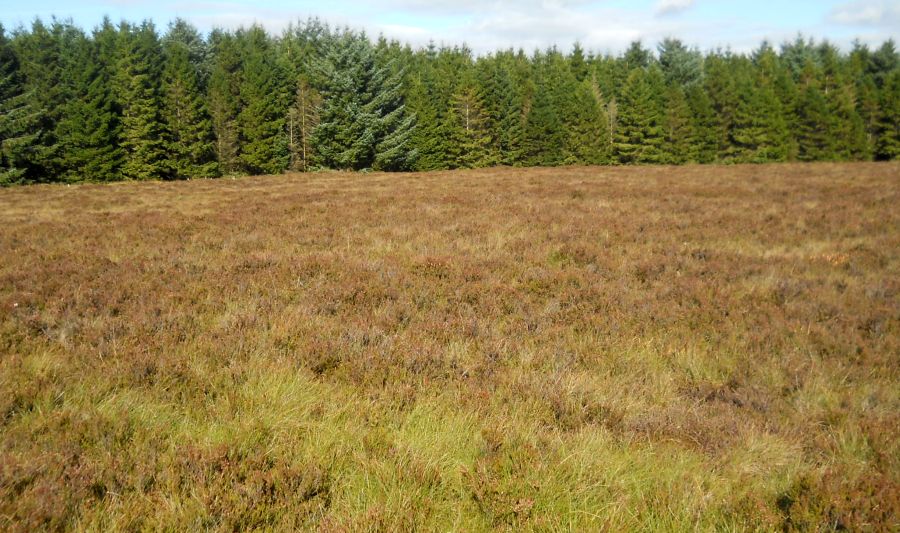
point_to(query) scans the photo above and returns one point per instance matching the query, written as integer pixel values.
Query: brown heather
(695, 348)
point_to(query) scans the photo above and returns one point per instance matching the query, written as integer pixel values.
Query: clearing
(562, 348)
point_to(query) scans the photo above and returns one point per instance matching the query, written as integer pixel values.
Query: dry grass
(710, 348)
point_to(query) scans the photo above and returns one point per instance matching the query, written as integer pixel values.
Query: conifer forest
(132, 102)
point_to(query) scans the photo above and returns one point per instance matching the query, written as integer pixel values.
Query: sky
(602, 26)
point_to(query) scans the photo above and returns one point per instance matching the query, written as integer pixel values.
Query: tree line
(128, 102)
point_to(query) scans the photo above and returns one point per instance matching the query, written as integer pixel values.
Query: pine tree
(263, 142)
(18, 121)
(640, 134)
(189, 143)
(137, 83)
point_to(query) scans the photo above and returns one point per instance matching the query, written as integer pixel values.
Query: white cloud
(672, 7)
(868, 13)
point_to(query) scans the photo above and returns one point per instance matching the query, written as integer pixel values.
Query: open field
(526, 349)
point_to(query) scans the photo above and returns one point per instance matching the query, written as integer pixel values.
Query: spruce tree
(189, 143)
(587, 142)
(509, 123)
(467, 127)
(18, 120)
(263, 141)
(88, 130)
(40, 75)
(640, 132)
(137, 84)
(705, 142)
(680, 143)
(225, 100)
(721, 89)
(363, 122)
(681, 65)
(814, 142)
(303, 116)
(428, 99)
(758, 131)
(394, 124)
(888, 125)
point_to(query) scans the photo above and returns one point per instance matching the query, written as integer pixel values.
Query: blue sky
(602, 26)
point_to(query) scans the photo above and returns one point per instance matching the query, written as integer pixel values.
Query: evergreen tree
(888, 144)
(681, 66)
(40, 74)
(814, 141)
(18, 121)
(680, 143)
(189, 140)
(303, 116)
(587, 142)
(263, 142)
(758, 132)
(508, 119)
(706, 144)
(720, 87)
(225, 100)
(88, 130)
(640, 132)
(467, 128)
(137, 83)
(578, 63)
(363, 122)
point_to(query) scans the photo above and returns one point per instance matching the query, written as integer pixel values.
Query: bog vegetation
(619, 348)
(121, 102)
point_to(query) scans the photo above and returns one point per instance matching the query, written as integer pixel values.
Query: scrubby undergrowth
(617, 348)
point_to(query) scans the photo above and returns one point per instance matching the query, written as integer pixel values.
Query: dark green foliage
(363, 122)
(681, 65)
(263, 142)
(137, 92)
(680, 142)
(888, 125)
(123, 103)
(467, 128)
(89, 128)
(758, 131)
(188, 130)
(224, 97)
(588, 140)
(704, 125)
(640, 133)
(18, 120)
